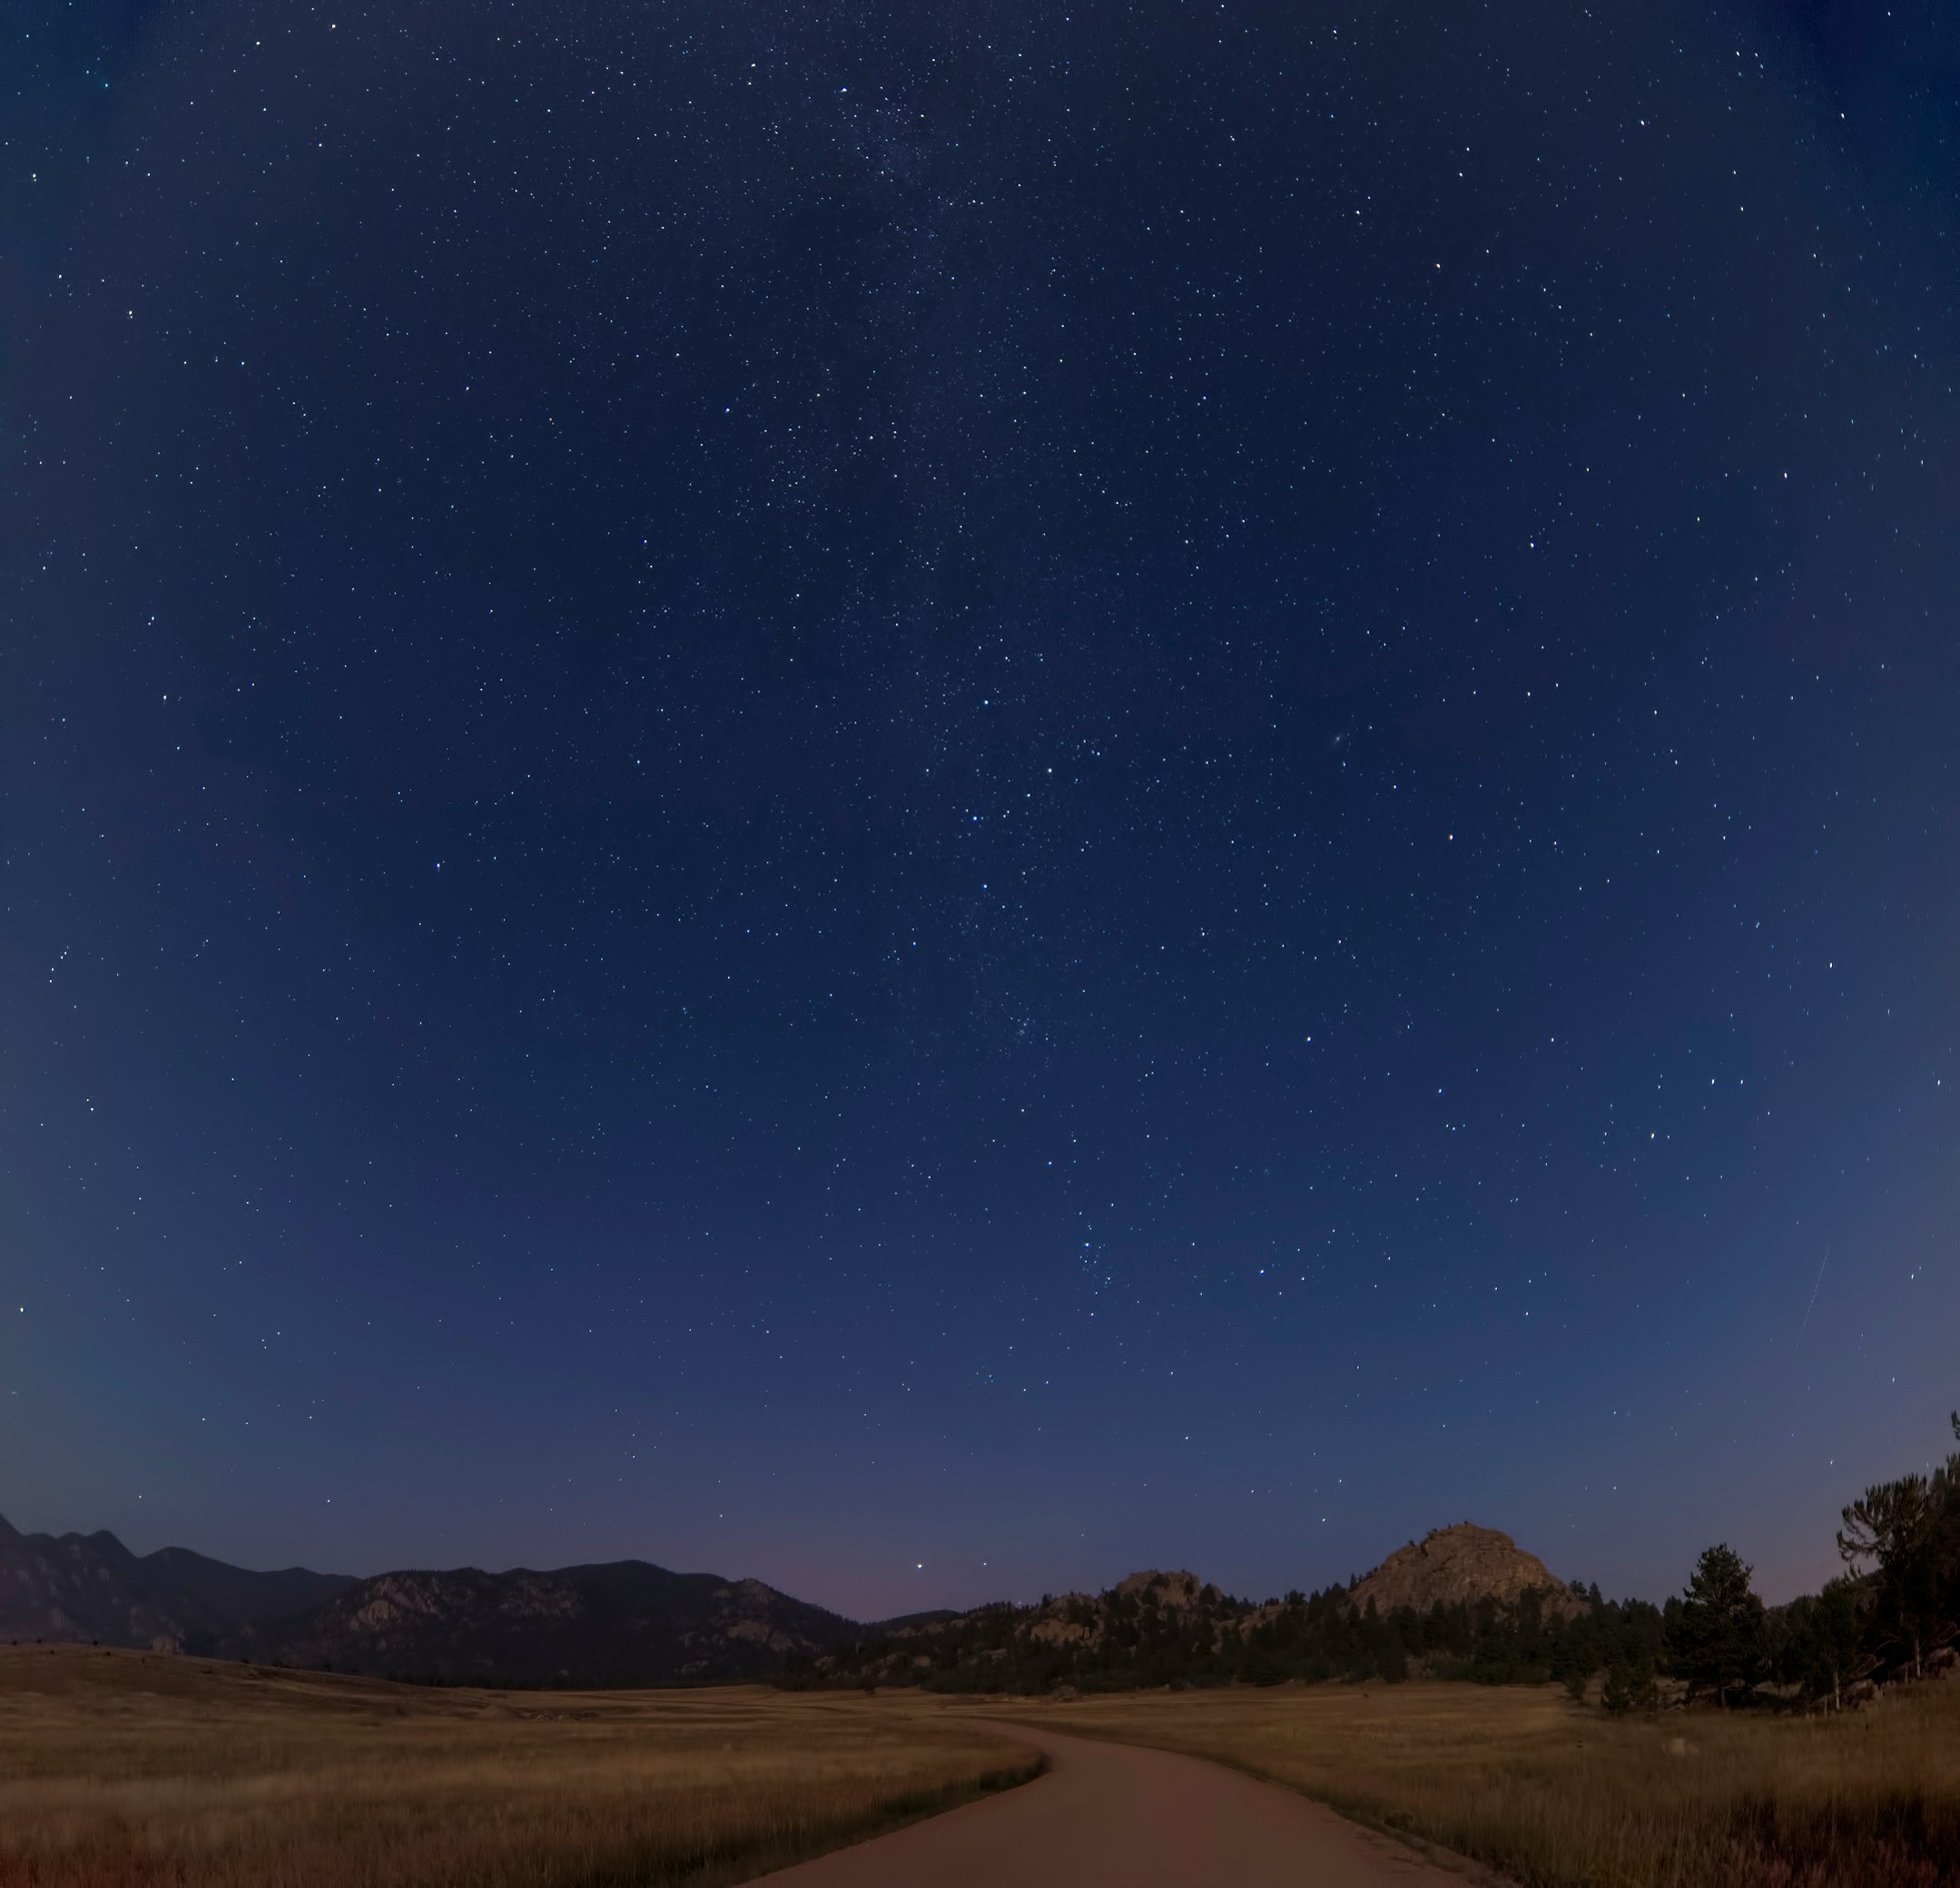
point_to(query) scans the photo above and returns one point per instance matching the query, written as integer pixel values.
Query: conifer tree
(1828, 1652)
(1716, 1633)
(1903, 1527)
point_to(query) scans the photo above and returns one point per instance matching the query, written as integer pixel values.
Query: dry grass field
(1561, 1797)
(119, 1769)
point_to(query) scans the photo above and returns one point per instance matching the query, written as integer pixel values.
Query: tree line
(1893, 1609)
(1126, 1640)
(1121, 1642)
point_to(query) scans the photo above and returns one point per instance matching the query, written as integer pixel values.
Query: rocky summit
(1464, 1564)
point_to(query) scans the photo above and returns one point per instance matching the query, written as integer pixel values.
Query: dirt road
(1111, 1816)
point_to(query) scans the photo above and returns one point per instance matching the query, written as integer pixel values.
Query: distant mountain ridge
(76, 1587)
(626, 1623)
(1465, 1597)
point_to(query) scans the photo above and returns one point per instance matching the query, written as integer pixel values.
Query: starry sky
(931, 799)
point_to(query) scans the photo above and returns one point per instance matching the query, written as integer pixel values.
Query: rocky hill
(1462, 1565)
(1467, 1602)
(70, 1588)
(1084, 1619)
(1159, 1624)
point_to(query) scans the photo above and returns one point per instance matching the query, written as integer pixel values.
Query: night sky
(932, 798)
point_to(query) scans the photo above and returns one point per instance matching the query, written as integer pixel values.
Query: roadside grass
(131, 1770)
(1558, 1795)
(128, 1770)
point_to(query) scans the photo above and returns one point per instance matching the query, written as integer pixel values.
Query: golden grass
(125, 1770)
(119, 1769)
(1558, 1796)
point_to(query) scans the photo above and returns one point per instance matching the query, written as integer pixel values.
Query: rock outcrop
(1464, 1564)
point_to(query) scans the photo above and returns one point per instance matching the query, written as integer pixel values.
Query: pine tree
(1630, 1688)
(1825, 1650)
(1715, 1635)
(1903, 1527)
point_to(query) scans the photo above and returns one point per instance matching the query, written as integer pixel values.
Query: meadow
(124, 1768)
(1558, 1795)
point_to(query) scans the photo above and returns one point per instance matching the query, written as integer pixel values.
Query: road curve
(1116, 1815)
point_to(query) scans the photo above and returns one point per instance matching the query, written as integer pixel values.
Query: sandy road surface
(1114, 1814)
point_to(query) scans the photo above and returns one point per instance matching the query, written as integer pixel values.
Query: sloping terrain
(71, 1588)
(624, 1623)
(628, 1623)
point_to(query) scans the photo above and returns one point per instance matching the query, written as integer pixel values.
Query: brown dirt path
(1115, 1816)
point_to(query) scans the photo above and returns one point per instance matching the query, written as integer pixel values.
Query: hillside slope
(627, 1623)
(622, 1623)
(81, 1586)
